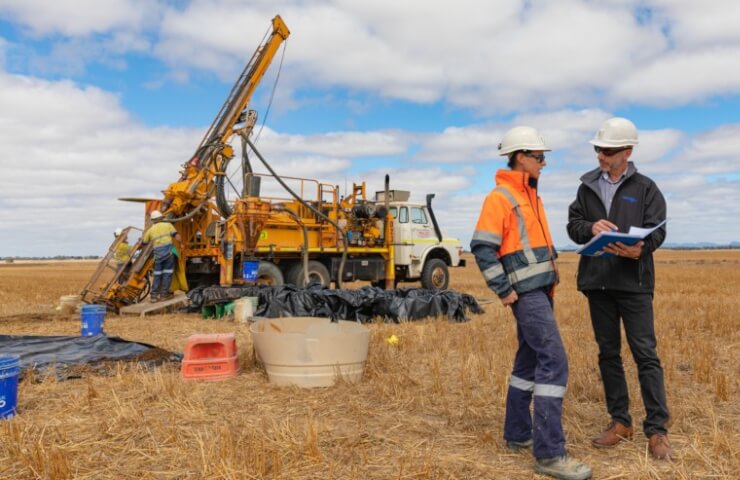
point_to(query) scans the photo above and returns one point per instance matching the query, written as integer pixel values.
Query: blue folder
(595, 247)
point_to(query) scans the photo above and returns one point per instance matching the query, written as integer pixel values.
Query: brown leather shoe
(614, 433)
(659, 447)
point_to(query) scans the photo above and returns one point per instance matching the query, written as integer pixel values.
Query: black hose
(314, 210)
(304, 253)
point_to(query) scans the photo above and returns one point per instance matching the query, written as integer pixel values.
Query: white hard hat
(155, 215)
(522, 138)
(118, 231)
(616, 132)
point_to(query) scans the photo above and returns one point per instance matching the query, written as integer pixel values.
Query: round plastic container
(310, 352)
(10, 367)
(92, 317)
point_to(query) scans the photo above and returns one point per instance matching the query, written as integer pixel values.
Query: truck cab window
(418, 215)
(394, 212)
(404, 215)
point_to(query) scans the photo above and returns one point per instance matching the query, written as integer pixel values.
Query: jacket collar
(518, 181)
(591, 178)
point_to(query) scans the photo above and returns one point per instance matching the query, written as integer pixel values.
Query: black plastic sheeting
(360, 305)
(60, 352)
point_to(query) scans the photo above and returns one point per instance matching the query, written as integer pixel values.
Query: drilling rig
(311, 234)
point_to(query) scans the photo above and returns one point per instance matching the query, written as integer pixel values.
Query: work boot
(166, 296)
(614, 433)
(153, 298)
(659, 447)
(515, 445)
(564, 468)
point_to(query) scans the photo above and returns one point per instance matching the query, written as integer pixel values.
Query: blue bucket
(10, 367)
(92, 317)
(250, 269)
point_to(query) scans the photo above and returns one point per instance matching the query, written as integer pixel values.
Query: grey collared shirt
(608, 187)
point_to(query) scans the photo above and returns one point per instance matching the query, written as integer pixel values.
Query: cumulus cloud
(79, 17)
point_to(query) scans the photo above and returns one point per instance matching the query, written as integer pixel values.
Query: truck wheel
(317, 272)
(269, 274)
(434, 275)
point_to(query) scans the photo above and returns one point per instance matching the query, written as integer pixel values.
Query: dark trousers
(541, 373)
(164, 267)
(636, 311)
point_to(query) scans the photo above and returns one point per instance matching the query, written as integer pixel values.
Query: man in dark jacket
(615, 197)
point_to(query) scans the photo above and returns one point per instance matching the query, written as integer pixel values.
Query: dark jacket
(637, 202)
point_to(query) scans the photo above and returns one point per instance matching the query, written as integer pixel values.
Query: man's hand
(629, 251)
(603, 225)
(509, 299)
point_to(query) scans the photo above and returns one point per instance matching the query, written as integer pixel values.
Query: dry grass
(429, 408)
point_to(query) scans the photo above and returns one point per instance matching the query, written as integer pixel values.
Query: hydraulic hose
(304, 253)
(340, 273)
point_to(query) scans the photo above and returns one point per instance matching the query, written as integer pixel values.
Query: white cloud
(681, 77)
(79, 17)
(522, 55)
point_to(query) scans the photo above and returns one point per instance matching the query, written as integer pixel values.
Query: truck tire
(269, 274)
(434, 275)
(317, 272)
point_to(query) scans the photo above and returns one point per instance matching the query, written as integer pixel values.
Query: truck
(237, 227)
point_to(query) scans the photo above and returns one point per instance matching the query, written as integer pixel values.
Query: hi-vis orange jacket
(511, 242)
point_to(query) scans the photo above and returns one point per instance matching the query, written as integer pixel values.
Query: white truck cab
(422, 252)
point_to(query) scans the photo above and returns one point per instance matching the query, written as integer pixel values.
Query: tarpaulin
(60, 352)
(361, 304)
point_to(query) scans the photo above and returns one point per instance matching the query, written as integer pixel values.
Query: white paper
(644, 232)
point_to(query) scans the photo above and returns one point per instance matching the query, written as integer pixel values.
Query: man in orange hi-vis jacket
(514, 251)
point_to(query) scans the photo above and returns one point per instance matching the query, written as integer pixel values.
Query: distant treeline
(56, 257)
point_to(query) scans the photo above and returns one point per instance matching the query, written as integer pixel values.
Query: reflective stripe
(168, 271)
(521, 384)
(157, 273)
(542, 390)
(523, 235)
(493, 272)
(487, 237)
(530, 271)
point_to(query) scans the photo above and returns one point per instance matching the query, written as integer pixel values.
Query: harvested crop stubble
(429, 406)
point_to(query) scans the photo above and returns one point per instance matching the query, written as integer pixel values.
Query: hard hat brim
(533, 148)
(614, 143)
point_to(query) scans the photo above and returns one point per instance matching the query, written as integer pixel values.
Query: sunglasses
(540, 157)
(608, 152)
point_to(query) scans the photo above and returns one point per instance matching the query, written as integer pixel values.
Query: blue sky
(100, 100)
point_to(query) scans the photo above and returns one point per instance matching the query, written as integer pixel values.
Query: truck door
(401, 234)
(422, 236)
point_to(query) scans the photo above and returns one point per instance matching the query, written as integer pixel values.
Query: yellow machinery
(311, 235)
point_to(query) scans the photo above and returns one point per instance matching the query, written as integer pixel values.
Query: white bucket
(243, 309)
(68, 304)
(310, 352)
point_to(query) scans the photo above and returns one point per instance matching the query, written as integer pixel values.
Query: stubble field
(430, 407)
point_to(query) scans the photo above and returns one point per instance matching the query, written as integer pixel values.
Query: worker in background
(122, 254)
(614, 197)
(514, 251)
(123, 250)
(161, 234)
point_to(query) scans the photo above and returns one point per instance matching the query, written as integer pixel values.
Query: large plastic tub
(310, 352)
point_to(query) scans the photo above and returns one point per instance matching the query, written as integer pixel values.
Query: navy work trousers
(636, 311)
(540, 371)
(164, 267)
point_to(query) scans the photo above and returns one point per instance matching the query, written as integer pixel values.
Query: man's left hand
(629, 251)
